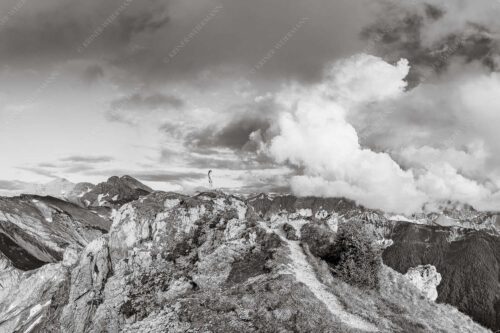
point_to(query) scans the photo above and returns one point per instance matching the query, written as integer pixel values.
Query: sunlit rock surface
(216, 263)
(36, 230)
(426, 279)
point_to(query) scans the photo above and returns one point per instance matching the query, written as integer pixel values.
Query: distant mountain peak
(442, 206)
(115, 192)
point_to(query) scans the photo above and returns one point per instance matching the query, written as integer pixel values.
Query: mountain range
(121, 257)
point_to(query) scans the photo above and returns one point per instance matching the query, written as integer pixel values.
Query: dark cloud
(39, 171)
(242, 34)
(235, 162)
(171, 177)
(47, 165)
(433, 12)
(53, 30)
(87, 159)
(11, 185)
(77, 168)
(132, 108)
(92, 73)
(214, 159)
(239, 36)
(174, 177)
(140, 101)
(147, 21)
(235, 135)
(399, 33)
(246, 126)
(235, 143)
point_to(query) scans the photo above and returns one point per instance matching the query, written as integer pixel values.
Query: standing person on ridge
(210, 182)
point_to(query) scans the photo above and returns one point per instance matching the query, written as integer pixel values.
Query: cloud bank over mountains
(316, 137)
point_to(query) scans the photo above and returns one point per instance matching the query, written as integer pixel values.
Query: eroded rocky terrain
(214, 263)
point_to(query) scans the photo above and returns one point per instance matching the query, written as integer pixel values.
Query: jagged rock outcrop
(36, 230)
(426, 278)
(77, 192)
(458, 215)
(468, 261)
(115, 192)
(26, 297)
(210, 263)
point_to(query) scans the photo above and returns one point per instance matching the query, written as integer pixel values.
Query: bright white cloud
(314, 135)
(364, 79)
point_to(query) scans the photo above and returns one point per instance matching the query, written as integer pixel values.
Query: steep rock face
(468, 261)
(77, 192)
(426, 278)
(115, 192)
(26, 297)
(432, 237)
(35, 230)
(329, 211)
(209, 263)
(267, 206)
(88, 279)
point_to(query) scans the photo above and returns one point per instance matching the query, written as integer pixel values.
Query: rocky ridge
(114, 192)
(216, 263)
(36, 230)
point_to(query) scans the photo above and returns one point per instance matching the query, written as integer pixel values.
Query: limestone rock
(426, 278)
(212, 263)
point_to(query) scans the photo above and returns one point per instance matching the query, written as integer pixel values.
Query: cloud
(438, 141)
(53, 30)
(315, 136)
(235, 135)
(87, 159)
(390, 133)
(9, 185)
(131, 109)
(47, 165)
(433, 34)
(76, 168)
(174, 177)
(139, 101)
(227, 162)
(330, 31)
(39, 171)
(92, 73)
(456, 112)
(443, 182)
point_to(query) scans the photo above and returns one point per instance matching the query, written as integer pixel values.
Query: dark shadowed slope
(43, 227)
(19, 257)
(468, 261)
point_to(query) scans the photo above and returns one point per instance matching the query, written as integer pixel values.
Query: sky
(391, 103)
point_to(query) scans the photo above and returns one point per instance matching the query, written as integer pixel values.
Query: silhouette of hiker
(210, 182)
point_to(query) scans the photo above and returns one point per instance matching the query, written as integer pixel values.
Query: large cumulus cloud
(317, 138)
